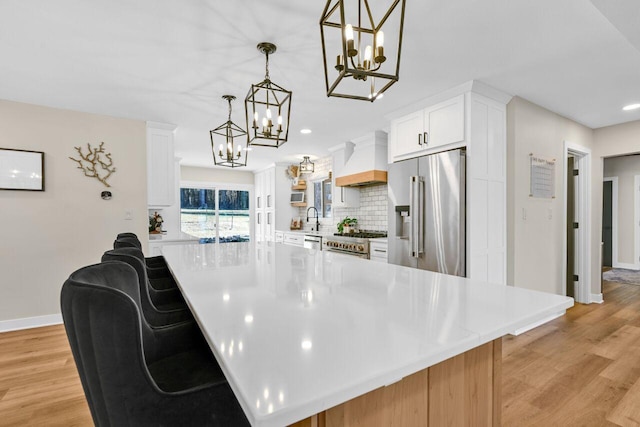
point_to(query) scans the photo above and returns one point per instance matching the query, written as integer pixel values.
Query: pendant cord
(266, 73)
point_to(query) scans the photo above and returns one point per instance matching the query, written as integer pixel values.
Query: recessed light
(631, 107)
(305, 131)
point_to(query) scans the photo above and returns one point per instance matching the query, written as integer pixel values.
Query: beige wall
(228, 176)
(610, 141)
(536, 226)
(47, 235)
(625, 169)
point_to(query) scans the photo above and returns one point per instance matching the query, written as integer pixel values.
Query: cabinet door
(270, 188)
(407, 134)
(444, 122)
(269, 229)
(259, 190)
(160, 168)
(260, 227)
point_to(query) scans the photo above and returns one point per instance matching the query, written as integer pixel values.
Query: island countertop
(297, 331)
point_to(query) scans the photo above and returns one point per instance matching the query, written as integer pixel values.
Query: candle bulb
(279, 123)
(255, 120)
(348, 34)
(380, 58)
(367, 58)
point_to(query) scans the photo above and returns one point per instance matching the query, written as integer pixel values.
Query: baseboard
(596, 298)
(538, 323)
(626, 266)
(30, 322)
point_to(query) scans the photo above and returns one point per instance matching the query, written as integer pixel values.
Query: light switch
(550, 213)
(524, 214)
(128, 214)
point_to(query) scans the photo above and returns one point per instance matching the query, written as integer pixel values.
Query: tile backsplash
(371, 215)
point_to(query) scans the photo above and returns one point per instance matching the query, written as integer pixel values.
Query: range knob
(361, 248)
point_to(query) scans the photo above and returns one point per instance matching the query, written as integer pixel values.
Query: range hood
(368, 163)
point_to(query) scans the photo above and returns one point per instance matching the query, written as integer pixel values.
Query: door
(572, 225)
(444, 212)
(399, 215)
(445, 123)
(607, 224)
(407, 134)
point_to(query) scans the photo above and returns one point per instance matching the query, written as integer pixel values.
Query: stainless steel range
(356, 244)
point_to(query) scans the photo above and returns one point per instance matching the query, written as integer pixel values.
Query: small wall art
(21, 170)
(97, 163)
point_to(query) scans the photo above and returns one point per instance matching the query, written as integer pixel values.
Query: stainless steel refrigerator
(427, 206)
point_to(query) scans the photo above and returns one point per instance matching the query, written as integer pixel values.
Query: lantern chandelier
(348, 29)
(306, 165)
(228, 154)
(268, 108)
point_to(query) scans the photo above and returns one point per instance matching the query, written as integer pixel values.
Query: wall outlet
(128, 214)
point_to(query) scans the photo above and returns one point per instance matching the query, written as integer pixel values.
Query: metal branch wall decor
(97, 163)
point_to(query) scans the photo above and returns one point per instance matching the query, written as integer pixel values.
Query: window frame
(217, 186)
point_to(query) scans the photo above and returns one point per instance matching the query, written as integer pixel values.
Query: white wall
(218, 175)
(44, 236)
(625, 168)
(535, 227)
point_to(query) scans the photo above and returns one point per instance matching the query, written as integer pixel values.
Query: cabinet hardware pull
(426, 138)
(419, 139)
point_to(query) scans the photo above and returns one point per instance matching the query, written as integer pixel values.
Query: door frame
(582, 157)
(614, 219)
(636, 218)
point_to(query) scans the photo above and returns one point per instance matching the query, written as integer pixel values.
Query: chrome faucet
(317, 217)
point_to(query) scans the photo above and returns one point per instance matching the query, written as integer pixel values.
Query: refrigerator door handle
(420, 226)
(412, 234)
(416, 240)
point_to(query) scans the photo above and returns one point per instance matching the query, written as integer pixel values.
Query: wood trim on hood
(371, 177)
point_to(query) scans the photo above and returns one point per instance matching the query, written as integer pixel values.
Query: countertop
(300, 331)
(176, 236)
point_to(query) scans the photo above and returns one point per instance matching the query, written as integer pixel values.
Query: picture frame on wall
(21, 170)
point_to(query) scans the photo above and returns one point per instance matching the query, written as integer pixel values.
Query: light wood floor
(579, 370)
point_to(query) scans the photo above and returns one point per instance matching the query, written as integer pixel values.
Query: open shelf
(299, 204)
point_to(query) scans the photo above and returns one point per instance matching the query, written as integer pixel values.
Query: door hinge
(576, 225)
(576, 172)
(575, 278)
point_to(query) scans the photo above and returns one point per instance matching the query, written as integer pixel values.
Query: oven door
(341, 251)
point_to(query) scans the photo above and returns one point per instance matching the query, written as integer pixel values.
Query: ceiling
(170, 62)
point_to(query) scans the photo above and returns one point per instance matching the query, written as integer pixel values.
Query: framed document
(21, 170)
(543, 173)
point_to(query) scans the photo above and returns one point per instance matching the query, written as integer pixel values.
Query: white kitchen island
(318, 338)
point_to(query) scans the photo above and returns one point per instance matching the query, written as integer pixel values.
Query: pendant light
(306, 165)
(268, 108)
(362, 69)
(229, 154)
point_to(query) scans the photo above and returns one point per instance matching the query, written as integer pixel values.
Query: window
(322, 197)
(215, 214)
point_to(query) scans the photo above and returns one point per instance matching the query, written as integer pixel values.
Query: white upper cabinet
(160, 164)
(407, 133)
(444, 123)
(428, 130)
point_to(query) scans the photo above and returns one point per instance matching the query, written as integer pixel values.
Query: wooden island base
(463, 390)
